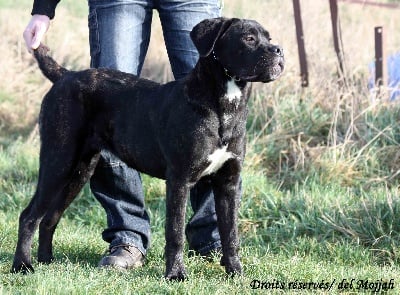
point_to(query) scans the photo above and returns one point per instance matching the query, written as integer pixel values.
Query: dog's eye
(250, 39)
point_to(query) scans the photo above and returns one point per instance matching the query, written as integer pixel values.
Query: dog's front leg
(177, 192)
(227, 201)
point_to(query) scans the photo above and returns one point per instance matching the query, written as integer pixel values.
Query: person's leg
(119, 35)
(178, 17)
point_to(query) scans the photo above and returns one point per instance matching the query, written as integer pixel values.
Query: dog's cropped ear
(207, 32)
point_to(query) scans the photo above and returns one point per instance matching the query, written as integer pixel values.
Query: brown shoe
(123, 257)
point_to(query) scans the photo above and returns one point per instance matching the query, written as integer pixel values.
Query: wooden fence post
(337, 36)
(380, 72)
(300, 43)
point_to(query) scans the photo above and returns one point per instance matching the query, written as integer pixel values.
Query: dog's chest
(217, 159)
(229, 110)
(228, 118)
(233, 93)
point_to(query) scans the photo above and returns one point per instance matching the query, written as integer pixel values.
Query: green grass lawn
(321, 234)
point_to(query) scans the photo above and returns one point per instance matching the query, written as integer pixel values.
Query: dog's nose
(276, 50)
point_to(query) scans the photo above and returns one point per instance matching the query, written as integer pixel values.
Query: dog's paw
(24, 268)
(177, 275)
(45, 258)
(233, 267)
(234, 271)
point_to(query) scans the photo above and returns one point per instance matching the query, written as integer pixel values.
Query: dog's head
(241, 46)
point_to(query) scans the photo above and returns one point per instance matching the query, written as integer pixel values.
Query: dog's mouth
(267, 68)
(274, 72)
(266, 73)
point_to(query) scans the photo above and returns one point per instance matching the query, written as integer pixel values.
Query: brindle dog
(184, 131)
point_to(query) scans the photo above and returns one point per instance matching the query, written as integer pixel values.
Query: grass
(320, 184)
(309, 233)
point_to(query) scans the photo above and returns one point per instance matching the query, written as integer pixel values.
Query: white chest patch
(233, 92)
(217, 159)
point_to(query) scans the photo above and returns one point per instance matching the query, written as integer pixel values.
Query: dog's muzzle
(270, 66)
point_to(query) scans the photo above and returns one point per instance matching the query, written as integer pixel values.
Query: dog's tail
(49, 67)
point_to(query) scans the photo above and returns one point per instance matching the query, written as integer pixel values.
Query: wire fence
(380, 75)
(374, 3)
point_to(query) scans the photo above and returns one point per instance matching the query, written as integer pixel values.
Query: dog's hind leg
(27, 227)
(58, 162)
(50, 221)
(56, 167)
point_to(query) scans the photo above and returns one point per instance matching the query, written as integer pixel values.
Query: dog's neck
(223, 95)
(219, 81)
(227, 73)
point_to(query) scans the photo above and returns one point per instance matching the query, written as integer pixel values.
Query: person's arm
(45, 7)
(42, 12)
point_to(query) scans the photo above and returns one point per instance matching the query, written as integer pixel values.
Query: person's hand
(35, 31)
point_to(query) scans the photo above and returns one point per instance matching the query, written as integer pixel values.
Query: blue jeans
(119, 35)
